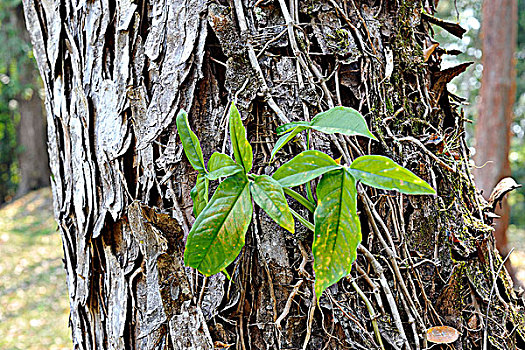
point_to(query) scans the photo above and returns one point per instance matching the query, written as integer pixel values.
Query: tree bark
(115, 77)
(498, 91)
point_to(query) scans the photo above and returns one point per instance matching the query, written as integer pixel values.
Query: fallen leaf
(451, 27)
(442, 78)
(473, 322)
(429, 50)
(442, 335)
(220, 345)
(502, 188)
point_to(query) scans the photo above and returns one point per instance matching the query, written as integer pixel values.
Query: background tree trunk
(33, 162)
(498, 91)
(26, 166)
(115, 77)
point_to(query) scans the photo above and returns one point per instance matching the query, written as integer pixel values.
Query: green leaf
(269, 195)
(343, 120)
(242, 150)
(190, 142)
(217, 236)
(283, 140)
(199, 194)
(304, 167)
(221, 165)
(337, 229)
(283, 129)
(382, 172)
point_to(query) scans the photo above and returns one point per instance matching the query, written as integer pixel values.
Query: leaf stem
(305, 202)
(309, 184)
(308, 139)
(302, 220)
(309, 192)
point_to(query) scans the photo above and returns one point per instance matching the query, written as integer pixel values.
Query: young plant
(217, 236)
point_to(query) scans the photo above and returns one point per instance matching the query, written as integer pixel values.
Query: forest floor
(33, 295)
(34, 307)
(516, 239)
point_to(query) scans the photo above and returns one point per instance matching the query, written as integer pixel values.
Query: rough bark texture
(498, 90)
(115, 77)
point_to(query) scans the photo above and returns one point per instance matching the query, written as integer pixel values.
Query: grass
(516, 240)
(34, 306)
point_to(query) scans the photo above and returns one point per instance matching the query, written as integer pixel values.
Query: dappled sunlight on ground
(516, 239)
(34, 307)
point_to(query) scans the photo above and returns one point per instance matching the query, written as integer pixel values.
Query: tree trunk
(33, 164)
(115, 77)
(498, 91)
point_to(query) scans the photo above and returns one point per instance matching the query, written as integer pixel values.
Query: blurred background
(33, 294)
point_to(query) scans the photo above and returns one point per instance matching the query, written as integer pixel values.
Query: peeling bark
(116, 75)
